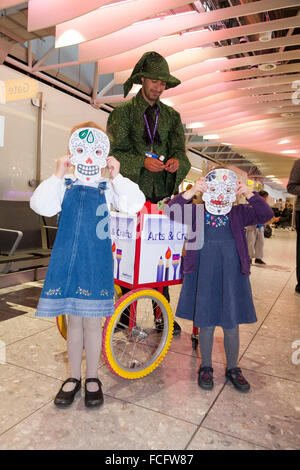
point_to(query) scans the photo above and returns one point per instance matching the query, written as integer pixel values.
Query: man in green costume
(145, 124)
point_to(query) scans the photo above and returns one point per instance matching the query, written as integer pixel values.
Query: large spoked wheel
(61, 320)
(137, 337)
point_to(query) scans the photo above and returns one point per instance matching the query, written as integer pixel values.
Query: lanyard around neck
(151, 136)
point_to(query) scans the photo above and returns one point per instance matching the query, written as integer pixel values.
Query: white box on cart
(158, 252)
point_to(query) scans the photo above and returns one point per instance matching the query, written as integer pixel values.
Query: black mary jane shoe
(237, 379)
(93, 399)
(205, 378)
(63, 398)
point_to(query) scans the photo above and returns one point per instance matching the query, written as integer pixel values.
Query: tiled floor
(166, 409)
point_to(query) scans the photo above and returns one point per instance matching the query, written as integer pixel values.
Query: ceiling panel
(238, 61)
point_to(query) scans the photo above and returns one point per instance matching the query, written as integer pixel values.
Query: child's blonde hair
(86, 124)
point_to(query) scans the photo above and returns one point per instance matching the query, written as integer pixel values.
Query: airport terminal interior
(231, 69)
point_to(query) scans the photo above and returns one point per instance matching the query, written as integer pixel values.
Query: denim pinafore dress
(217, 293)
(79, 278)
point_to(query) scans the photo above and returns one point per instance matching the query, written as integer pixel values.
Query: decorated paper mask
(89, 148)
(221, 192)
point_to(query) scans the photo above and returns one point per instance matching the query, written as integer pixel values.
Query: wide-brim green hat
(151, 65)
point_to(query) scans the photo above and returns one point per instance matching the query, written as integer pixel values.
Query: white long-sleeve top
(122, 193)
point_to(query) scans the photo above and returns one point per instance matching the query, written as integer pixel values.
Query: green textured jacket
(125, 128)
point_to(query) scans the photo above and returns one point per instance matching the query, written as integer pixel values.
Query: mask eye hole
(212, 189)
(99, 152)
(79, 150)
(228, 190)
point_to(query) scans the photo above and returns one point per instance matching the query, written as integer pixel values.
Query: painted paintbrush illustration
(175, 263)
(160, 270)
(113, 248)
(167, 256)
(118, 256)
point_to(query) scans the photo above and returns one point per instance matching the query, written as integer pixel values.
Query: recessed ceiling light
(289, 151)
(216, 59)
(270, 176)
(284, 141)
(264, 37)
(267, 67)
(69, 37)
(211, 137)
(194, 125)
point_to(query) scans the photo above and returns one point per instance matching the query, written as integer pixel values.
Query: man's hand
(114, 166)
(153, 165)
(172, 165)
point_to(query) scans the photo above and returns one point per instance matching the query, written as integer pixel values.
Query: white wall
(18, 155)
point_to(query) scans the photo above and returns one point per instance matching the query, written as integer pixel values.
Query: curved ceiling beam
(254, 86)
(265, 125)
(237, 119)
(45, 13)
(171, 45)
(197, 69)
(144, 32)
(135, 35)
(112, 18)
(231, 108)
(256, 136)
(221, 64)
(215, 94)
(165, 46)
(9, 3)
(235, 97)
(115, 63)
(238, 77)
(270, 146)
(217, 118)
(185, 58)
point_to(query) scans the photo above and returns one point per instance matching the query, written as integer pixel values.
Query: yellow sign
(20, 89)
(2, 92)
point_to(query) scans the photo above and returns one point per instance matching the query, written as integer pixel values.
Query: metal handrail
(7, 265)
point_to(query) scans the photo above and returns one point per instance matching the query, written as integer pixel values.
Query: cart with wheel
(147, 251)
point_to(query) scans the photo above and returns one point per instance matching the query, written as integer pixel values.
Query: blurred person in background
(255, 237)
(293, 187)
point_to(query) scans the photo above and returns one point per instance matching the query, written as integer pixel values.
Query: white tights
(84, 333)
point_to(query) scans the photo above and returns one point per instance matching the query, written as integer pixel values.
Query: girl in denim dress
(79, 281)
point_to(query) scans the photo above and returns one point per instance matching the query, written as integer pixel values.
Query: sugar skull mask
(89, 148)
(221, 192)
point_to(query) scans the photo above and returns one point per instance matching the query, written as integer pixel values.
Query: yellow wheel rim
(61, 322)
(113, 320)
(118, 292)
